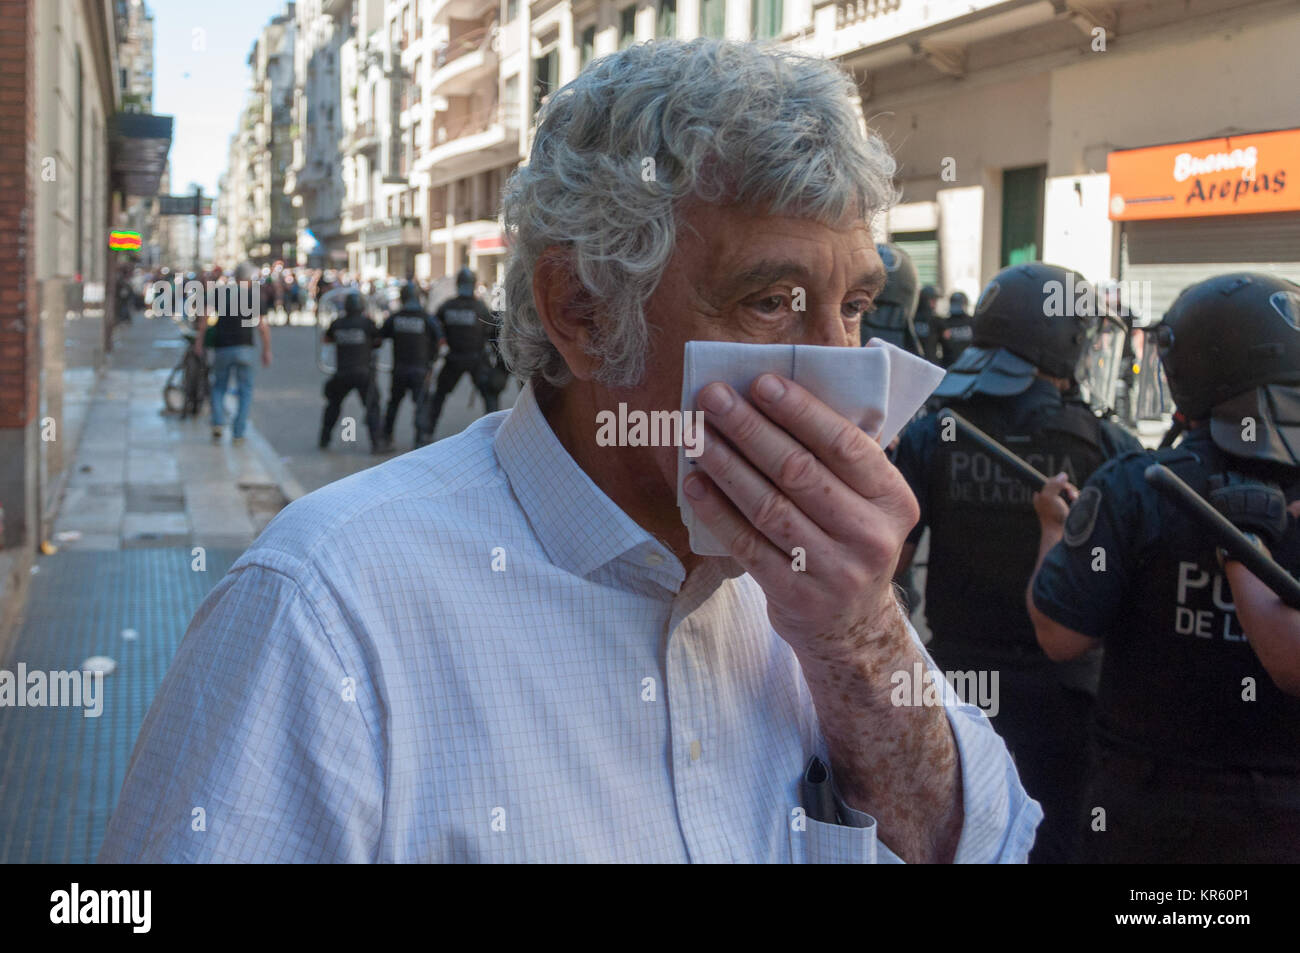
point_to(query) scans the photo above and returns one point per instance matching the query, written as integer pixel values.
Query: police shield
(329, 307)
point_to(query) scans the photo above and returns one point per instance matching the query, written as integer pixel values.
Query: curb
(286, 481)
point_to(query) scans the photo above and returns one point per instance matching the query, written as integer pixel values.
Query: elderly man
(501, 648)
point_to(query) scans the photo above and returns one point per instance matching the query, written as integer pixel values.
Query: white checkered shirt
(471, 653)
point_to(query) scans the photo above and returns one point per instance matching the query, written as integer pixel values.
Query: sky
(201, 78)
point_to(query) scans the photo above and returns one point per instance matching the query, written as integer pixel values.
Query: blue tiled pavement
(60, 772)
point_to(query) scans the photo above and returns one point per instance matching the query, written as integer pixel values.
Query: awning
(139, 146)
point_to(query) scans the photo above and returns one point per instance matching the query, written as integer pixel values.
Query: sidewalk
(152, 515)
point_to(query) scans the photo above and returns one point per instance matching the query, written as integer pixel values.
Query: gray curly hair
(724, 122)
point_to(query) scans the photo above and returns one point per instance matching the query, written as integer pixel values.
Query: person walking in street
(416, 337)
(233, 353)
(355, 339)
(467, 322)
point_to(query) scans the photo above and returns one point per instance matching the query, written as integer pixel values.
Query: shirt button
(695, 751)
(654, 559)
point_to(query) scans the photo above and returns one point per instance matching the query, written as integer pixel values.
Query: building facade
(1015, 124)
(314, 179)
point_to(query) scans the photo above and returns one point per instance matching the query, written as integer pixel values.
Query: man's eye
(771, 304)
(859, 307)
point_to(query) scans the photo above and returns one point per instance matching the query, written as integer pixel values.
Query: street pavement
(288, 402)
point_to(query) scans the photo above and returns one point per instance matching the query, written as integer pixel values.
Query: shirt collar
(580, 527)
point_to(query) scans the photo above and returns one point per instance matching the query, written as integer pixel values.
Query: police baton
(1019, 464)
(1233, 541)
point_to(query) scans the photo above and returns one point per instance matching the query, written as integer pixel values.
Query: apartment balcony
(875, 34)
(462, 9)
(357, 215)
(466, 63)
(335, 8)
(471, 143)
(388, 232)
(305, 178)
(365, 136)
(848, 12)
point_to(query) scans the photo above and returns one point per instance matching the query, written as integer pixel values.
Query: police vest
(352, 343)
(1180, 681)
(465, 330)
(410, 339)
(983, 529)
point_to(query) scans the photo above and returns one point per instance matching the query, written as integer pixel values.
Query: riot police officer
(891, 319)
(957, 332)
(355, 338)
(1017, 383)
(416, 337)
(1197, 723)
(926, 323)
(466, 322)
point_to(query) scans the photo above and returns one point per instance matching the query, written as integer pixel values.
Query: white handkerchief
(879, 387)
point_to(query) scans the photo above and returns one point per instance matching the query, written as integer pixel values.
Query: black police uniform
(891, 317)
(355, 338)
(926, 325)
(983, 547)
(466, 323)
(1187, 769)
(415, 335)
(957, 335)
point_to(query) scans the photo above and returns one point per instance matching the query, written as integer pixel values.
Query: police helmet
(958, 303)
(353, 303)
(929, 293)
(465, 282)
(1030, 317)
(411, 295)
(1230, 346)
(895, 305)
(902, 287)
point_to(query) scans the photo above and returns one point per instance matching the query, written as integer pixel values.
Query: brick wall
(19, 319)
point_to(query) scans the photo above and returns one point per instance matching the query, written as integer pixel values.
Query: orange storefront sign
(1236, 175)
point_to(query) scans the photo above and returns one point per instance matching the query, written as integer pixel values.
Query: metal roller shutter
(1174, 253)
(923, 247)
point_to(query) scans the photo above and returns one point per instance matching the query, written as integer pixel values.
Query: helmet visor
(1100, 362)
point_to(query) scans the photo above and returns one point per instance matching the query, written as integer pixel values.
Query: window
(512, 9)
(588, 46)
(510, 113)
(666, 22)
(627, 27)
(545, 71)
(713, 18)
(765, 19)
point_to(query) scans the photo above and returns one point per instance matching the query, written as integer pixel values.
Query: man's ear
(565, 309)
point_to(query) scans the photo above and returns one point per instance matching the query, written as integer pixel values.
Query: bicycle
(189, 385)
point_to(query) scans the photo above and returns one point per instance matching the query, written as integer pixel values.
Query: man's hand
(1052, 504)
(803, 478)
(811, 507)
(266, 358)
